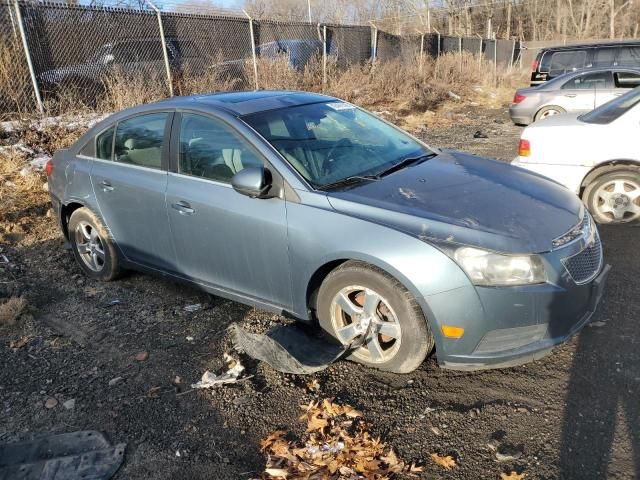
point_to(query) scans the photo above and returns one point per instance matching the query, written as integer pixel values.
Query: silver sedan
(579, 92)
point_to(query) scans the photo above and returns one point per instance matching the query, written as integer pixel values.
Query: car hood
(459, 198)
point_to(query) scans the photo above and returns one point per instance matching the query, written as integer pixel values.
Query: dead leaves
(512, 476)
(336, 445)
(446, 462)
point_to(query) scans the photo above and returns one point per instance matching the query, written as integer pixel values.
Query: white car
(596, 155)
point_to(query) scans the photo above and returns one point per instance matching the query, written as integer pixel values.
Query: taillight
(534, 66)
(48, 168)
(524, 149)
(518, 98)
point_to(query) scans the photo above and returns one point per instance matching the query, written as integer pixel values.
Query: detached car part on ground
(309, 206)
(578, 92)
(595, 155)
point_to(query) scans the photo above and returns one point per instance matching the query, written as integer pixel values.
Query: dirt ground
(574, 414)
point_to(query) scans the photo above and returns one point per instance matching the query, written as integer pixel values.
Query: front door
(223, 238)
(129, 179)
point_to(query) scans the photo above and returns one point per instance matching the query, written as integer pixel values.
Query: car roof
(245, 102)
(579, 46)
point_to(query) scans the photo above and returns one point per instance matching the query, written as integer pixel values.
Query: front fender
(320, 235)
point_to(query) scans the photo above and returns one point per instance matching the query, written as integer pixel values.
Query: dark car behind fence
(76, 46)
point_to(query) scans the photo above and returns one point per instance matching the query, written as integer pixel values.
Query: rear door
(579, 93)
(222, 238)
(129, 178)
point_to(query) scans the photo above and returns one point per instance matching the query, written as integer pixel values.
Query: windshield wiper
(405, 163)
(348, 181)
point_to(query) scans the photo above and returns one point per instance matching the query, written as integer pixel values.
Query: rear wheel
(614, 197)
(549, 111)
(357, 300)
(92, 248)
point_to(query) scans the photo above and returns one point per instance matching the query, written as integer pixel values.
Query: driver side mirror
(254, 182)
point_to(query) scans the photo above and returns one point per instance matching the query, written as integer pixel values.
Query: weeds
(16, 91)
(10, 311)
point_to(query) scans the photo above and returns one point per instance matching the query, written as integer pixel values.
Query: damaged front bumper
(520, 324)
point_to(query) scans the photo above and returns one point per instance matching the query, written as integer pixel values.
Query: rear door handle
(106, 186)
(570, 95)
(183, 208)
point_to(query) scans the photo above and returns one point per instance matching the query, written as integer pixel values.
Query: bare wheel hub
(358, 311)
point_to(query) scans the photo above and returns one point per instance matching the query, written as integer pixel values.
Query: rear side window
(629, 56)
(626, 79)
(139, 140)
(563, 62)
(589, 81)
(104, 144)
(604, 57)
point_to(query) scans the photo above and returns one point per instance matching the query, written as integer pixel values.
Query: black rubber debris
(85, 455)
(289, 348)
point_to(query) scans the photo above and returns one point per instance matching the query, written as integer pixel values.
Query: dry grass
(10, 311)
(20, 190)
(126, 90)
(16, 92)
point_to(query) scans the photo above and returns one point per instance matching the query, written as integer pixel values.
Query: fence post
(27, 54)
(460, 51)
(165, 53)
(253, 49)
(495, 61)
(421, 53)
(324, 57)
(374, 43)
(480, 53)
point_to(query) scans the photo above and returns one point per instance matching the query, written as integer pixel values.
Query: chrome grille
(584, 266)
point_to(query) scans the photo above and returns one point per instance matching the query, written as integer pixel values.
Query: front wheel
(358, 300)
(614, 197)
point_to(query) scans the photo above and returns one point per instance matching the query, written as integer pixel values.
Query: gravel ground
(574, 414)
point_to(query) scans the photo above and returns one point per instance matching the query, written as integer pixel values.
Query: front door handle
(106, 186)
(183, 208)
(570, 95)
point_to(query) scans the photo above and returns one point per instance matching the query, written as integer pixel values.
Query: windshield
(614, 109)
(330, 142)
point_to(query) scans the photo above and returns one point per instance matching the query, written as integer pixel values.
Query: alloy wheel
(618, 200)
(357, 311)
(90, 247)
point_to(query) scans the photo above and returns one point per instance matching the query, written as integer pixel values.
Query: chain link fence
(16, 89)
(82, 53)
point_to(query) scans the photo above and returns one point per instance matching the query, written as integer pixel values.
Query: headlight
(493, 269)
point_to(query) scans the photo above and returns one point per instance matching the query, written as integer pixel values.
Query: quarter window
(104, 145)
(210, 149)
(563, 62)
(139, 140)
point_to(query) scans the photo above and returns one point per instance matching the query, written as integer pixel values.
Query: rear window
(614, 109)
(563, 62)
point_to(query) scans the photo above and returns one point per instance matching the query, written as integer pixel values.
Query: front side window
(626, 79)
(614, 109)
(330, 142)
(139, 140)
(104, 144)
(589, 81)
(211, 149)
(563, 62)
